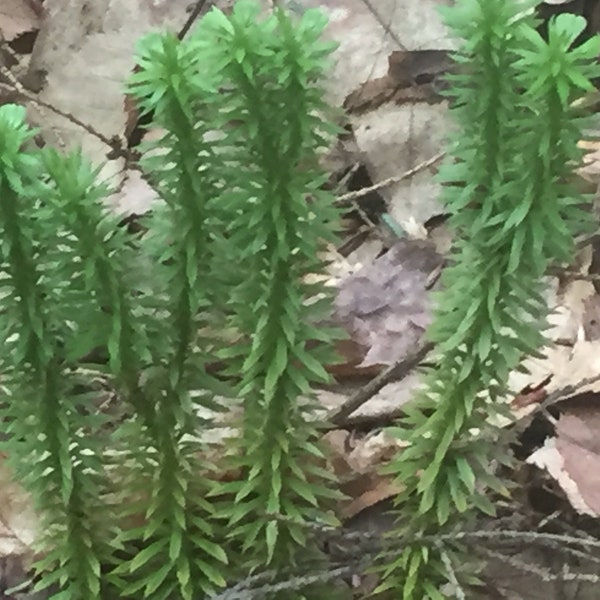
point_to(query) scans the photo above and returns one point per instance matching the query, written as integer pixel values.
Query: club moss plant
(275, 234)
(131, 509)
(514, 209)
(133, 504)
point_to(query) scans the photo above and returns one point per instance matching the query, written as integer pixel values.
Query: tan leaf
(17, 17)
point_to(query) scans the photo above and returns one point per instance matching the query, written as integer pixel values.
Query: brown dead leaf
(367, 32)
(356, 463)
(418, 67)
(369, 95)
(375, 93)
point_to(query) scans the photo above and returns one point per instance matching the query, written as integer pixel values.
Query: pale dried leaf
(134, 197)
(591, 161)
(391, 139)
(364, 44)
(395, 139)
(18, 521)
(572, 352)
(16, 18)
(578, 443)
(86, 56)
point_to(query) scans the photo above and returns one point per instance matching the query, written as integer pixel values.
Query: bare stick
(114, 142)
(396, 372)
(195, 13)
(345, 199)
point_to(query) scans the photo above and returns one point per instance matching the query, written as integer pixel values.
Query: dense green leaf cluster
(279, 114)
(514, 210)
(134, 511)
(54, 438)
(229, 248)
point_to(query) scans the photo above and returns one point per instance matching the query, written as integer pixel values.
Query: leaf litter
(388, 72)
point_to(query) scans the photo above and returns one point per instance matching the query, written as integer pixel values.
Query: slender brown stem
(396, 372)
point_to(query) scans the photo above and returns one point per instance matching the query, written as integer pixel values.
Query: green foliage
(278, 111)
(53, 442)
(180, 554)
(134, 512)
(513, 211)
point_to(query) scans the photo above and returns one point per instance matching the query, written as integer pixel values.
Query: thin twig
(383, 24)
(346, 199)
(513, 535)
(565, 392)
(544, 574)
(577, 554)
(192, 18)
(452, 579)
(396, 372)
(256, 586)
(294, 583)
(114, 142)
(366, 422)
(346, 178)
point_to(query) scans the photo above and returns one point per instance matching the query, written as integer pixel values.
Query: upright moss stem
(512, 214)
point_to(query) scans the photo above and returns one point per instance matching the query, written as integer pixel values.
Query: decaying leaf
(385, 306)
(413, 76)
(87, 52)
(18, 530)
(356, 462)
(572, 458)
